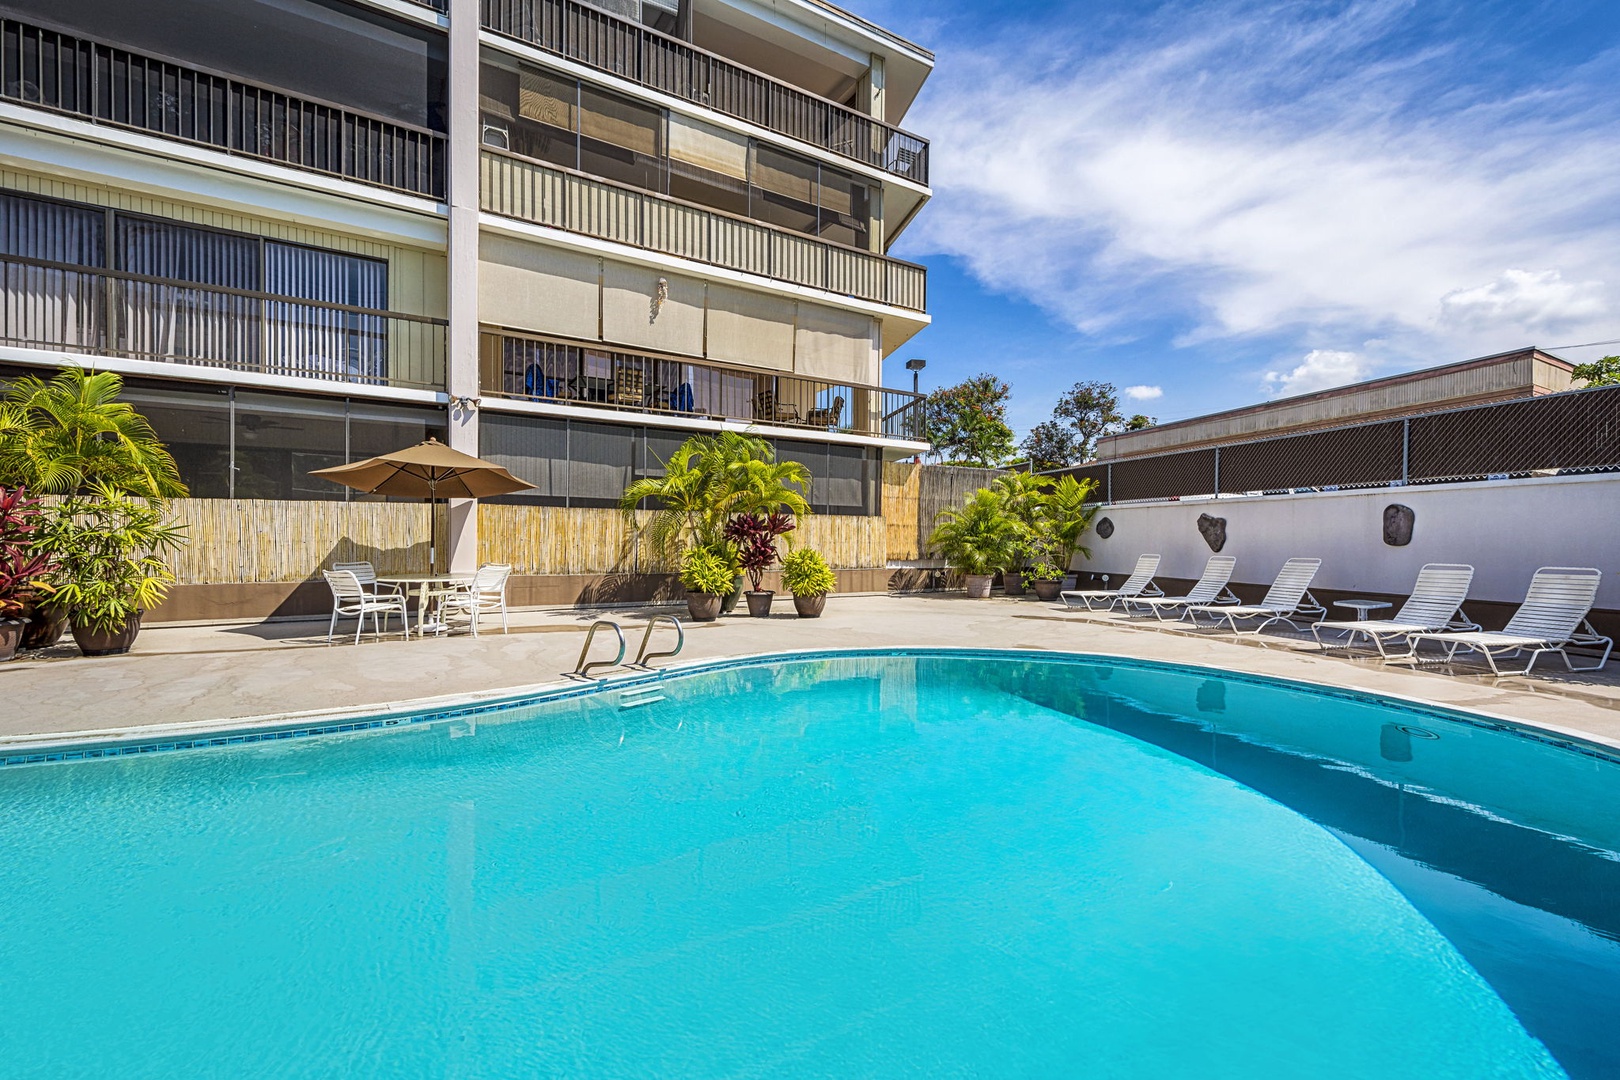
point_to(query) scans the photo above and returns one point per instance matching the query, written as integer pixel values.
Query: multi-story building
(561, 235)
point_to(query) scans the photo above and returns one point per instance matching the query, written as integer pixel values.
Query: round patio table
(1361, 608)
(427, 586)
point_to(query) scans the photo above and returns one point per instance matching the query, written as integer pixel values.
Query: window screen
(531, 448)
(195, 426)
(43, 305)
(318, 342)
(621, 140)
(280, 439)
(601, 457)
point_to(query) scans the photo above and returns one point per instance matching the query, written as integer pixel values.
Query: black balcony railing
(60, 306)
(109, 85)
(535, 369)
(660, 62)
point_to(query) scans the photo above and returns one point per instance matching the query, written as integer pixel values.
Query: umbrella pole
(433, 533)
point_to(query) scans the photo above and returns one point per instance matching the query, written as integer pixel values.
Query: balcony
(65, 307)
(105, 84)
(540, 370)
(518, 188)
(644, 56)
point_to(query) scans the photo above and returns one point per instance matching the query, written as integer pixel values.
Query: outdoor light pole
(915, 366)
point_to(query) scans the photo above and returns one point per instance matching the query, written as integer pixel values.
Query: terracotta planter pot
(1014, 582)
(809, 607)
(728, 602)
(1048, 590)
(11, 634)
(759, 603)
(978, 586)
(703, 607)
(49, 624)
(115, 642)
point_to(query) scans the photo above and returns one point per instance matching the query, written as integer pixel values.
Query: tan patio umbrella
(428, 470)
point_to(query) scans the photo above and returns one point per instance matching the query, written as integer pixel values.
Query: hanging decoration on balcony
(660, 295)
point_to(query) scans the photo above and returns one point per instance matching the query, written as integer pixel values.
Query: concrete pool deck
(261, 673)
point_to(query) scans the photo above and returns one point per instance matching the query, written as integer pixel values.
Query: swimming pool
(872, 864)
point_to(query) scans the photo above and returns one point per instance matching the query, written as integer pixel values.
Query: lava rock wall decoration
(1213, 530)
(1105, 527)
(1398, 522)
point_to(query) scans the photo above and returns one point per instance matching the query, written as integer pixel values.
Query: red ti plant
(755, 536)
(20, 566)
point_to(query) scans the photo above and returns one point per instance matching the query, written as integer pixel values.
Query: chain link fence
(1571, 432)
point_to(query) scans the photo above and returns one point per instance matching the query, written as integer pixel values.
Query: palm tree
(61, 437)
(709, 480)
(1065, 515)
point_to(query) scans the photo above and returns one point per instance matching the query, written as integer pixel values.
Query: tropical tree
(1086, 412)
(1066, 511)
(69, 434)
(966, 424)
(1602, 372)
(707, 481)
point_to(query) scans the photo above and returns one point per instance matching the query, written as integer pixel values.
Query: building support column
(462, 352)
(872, 100)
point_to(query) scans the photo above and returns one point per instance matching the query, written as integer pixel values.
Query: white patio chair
(1212, 588)
(485, 594)
(1434, 606)
(350, 598)
(1140, 583)
(366, 574)
(1552, 618)
(1289, 597)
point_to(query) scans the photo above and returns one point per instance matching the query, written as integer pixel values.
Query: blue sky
(1220, 202)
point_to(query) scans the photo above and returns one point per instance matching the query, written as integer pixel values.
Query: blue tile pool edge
(92, 749)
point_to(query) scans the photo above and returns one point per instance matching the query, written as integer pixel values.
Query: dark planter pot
(1013, 580)
(49, 624)
(759, 603)
(1048, 590)
(809, 607)
(728, 603)
(703, 607)
(11, 635)
(115, 642)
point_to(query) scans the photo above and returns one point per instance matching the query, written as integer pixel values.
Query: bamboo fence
(913, 496)
(250, 540)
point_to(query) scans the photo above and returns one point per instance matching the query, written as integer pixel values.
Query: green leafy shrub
(108, 551)
(1045, 571)
(806, 573)
(979, 537)
(702, 571)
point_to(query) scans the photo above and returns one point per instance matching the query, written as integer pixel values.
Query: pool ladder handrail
(643, 657)
(582, 670)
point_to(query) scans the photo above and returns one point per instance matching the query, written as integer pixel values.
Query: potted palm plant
(708, 481)
(108, 570)
(807, 576)
(21, 566)
(60, 436)
(1022, 494)
(979, 538)
(707, 577)
(754, 538)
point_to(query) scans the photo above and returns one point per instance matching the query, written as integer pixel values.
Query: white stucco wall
(1504, 528)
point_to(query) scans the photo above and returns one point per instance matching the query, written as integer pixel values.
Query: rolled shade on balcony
(708, 147)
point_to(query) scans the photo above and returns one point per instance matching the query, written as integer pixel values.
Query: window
(534, 449)
(784, 190)
(281, 439)
(318, 342)
(846, 208)
(47, 305)
(707, 165)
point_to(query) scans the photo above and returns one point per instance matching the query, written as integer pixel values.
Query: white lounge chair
(1210, 589)
(1552, 618)
(485, 594)
(351, 599)
(1140, 583)
(1288, 597)
(1435, 606)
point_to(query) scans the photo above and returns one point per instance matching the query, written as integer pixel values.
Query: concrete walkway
(193, 675)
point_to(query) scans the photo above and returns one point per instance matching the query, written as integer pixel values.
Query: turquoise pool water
(868, 865)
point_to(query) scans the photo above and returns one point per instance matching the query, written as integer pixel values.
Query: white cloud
(1143, 393)
(1321, 369)
(1254, 172)
(1537, 299)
